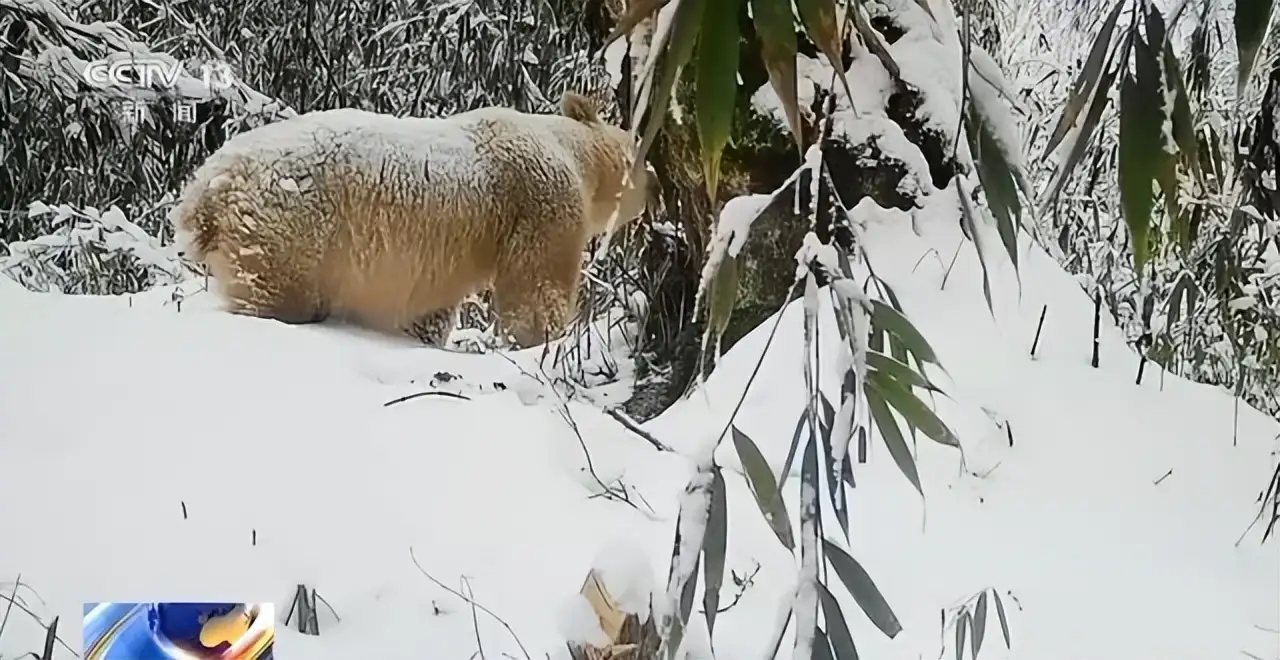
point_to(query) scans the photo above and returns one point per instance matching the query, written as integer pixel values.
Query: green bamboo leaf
(1140, 152)
(1004, 622)
(676, 53)
(863, 589)
(893, 440)
(717, 85)
(838, 630)
(1251, 20)
(1086, 80)
(891, 320)
(775, 25)
(825, 28)
(979, 623)
(763, 487)
(962, 627)
(637, 11)
(713, 547)
(723, 296)
(912, 409)
(899, 371)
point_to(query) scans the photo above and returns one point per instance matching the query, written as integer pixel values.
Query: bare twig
(453, 395)
(630, 424)
(473, 603)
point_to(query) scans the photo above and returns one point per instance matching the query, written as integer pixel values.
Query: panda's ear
(579, 108)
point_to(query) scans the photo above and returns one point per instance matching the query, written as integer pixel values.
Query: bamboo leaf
(889, 319)
(825, 27)
(837, 629)
(1086, 80)
(1184, 130)
(996, 173)
(1004, 622)
(893, 439)
(874, 43)
(969, 224)
(913, 410)
(763, 487)
(637, 11)
(713, 547)
(723, 296)
(1081, 143)
(676, 53)
(821, 645)
(1140, 151)
(832, 470)
(717, 85)
(1251, 20)
(962, 627)
(899, 371)
(791, 452)
(979, 623)
(863, 589)
(775, 26)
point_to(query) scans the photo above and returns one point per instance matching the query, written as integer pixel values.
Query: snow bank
(117, 414)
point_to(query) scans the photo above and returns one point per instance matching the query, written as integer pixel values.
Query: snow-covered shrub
(87, 251)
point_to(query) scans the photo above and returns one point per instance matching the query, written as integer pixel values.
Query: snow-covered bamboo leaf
(1166, 173)
(913, 410)
(1140, 150)
(1004, 622)
(891, 320)
(775, 25)
(899, 371)
(837, 629)
(962, 629)
(1251, 20)
(863, 589)
(1081, 142)
(832, 469)
(716, 85)
(996, 172)
(969, 224)
(874, 43)
(678, 48)
(713, 547)
(806, 606)
(763, 487)
(825, 26)
(893, 439)
(1184, 130)
(821, 645)
(637, 11)
(1183, 289)
(979, 623)
(1086, 80)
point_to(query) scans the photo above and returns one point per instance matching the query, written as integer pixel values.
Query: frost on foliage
(59, 63)
(85, 251)
(695, 508)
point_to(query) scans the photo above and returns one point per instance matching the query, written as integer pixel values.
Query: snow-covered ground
(118, 414)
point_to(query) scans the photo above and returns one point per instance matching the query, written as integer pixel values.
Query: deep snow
(117, 412)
